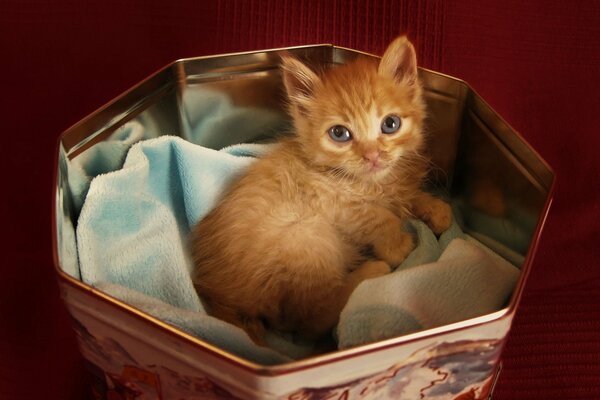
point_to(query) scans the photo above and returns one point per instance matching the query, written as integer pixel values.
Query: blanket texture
(132, 238)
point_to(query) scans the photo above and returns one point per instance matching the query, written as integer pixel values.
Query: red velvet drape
(535, 62)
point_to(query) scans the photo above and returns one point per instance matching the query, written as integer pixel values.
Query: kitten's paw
(437, 214)
(394, 248)
(373, 269)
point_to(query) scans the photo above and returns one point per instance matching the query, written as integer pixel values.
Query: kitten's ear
(399, 61)
(299, 80)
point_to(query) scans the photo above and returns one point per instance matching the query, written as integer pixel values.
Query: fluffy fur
(310, 221)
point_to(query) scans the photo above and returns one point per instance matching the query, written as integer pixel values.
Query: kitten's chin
(375, 173)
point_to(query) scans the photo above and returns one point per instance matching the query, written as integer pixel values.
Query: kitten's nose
(372, 155)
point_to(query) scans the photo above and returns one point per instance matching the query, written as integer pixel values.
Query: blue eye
(339, 133)
(390, 124)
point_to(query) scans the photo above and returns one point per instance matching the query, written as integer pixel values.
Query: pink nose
(372, 155)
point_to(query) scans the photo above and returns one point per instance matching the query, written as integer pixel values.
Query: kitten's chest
(339, 201)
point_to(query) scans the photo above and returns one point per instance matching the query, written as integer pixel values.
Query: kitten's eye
(390, 124)
(339, 133)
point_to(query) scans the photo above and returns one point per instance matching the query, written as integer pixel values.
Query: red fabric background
(535, 63)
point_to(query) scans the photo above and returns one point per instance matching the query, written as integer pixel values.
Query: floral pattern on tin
(116, 375)
(462, 370)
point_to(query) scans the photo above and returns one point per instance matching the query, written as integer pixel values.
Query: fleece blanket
(132, 238)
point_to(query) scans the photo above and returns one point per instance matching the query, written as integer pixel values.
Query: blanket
(132, 242)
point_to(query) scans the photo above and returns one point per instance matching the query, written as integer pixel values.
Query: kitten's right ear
(299, 80)
(399, 61)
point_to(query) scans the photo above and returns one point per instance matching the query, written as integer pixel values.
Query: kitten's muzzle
(372, 156)
(373, 160)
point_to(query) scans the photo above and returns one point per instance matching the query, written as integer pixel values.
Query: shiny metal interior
(496, 182)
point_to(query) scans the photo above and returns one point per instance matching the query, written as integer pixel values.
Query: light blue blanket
(132, 243)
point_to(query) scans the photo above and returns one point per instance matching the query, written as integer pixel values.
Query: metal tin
(484, 163)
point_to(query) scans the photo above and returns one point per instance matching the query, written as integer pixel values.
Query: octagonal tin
(485, 165)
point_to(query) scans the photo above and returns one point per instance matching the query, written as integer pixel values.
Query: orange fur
(286, 246)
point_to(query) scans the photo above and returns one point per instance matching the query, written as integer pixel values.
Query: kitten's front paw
(394, 248)
(437, 215)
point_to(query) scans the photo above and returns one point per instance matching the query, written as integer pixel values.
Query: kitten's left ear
(299, 80)
(399, 61)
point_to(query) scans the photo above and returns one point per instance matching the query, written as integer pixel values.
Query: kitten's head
(361, 118)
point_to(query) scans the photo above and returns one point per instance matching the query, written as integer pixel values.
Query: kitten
(285, 248)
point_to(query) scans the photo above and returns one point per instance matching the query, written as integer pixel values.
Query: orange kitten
(286, 246)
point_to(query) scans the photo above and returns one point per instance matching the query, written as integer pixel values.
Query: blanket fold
(465, 282)
(132, 242)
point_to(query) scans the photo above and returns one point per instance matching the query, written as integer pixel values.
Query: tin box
(486, 166)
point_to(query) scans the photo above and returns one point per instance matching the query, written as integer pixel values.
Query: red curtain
(535, 62)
